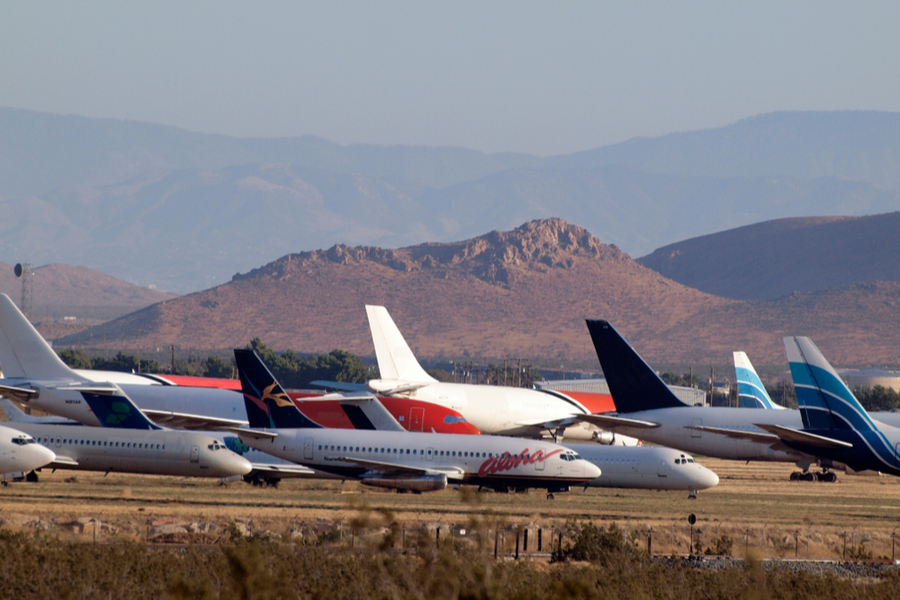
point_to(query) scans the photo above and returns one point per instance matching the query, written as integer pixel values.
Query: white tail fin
(395, 359)
(24, 354)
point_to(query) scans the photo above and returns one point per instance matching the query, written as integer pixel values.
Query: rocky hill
(776, 258)
(56, 291)
(521, 293)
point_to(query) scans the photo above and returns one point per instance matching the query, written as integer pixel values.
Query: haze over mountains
(521, 293)
(159, 205)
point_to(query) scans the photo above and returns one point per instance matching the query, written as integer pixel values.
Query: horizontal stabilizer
(394, 386)
(18, 394)
(804, 437)
(15, 415)
(611, 423)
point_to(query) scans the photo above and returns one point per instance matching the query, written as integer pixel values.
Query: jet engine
(424, 483)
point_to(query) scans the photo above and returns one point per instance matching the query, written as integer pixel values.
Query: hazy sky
(537, 77)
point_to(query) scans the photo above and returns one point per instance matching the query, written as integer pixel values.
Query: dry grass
(750, 501)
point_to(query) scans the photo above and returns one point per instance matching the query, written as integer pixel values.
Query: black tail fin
(634, 386)
(267, 403)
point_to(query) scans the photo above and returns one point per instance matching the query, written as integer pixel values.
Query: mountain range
(184, 211)
(520, 293)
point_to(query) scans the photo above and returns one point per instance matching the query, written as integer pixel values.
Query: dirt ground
(754, 505)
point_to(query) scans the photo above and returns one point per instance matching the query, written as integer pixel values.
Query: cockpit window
(452, 420)
(216, 446)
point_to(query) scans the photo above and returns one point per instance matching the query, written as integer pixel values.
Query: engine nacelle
(425, 483)
(607, 438)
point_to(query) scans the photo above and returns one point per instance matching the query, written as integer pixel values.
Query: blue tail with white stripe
(831, 412)
(751, 391)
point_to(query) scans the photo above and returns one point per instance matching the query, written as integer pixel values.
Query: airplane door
(416, 419)
(695, 433)
(429, 454)
(308, 448)
(195, 454)
(662, 471)
(58, 442)
(539, 466)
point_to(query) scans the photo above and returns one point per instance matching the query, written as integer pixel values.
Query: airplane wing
(255, 434)
(17, 393)
(753, 436)
(340, 385)
(62, 461)
(385, 467)
(284, 471)
(188, 421)
(804, 437)
(612, 423)
(392, 387)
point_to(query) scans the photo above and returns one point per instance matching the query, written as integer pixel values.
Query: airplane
(409, 461)
(138, 446)
(751, 391)
(646, 408)
(21, 454)
(34, 375)
(835, 425)
(492, 409)
(646, 467)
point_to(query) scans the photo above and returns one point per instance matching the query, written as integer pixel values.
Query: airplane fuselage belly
(675, 431)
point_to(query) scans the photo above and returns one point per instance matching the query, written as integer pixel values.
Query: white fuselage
(152, 452)
(500, 410)
(21, 453)
(676, 431)
(479, 460)
(645, 467)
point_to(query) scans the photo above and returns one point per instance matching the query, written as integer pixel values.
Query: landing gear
(692, 494)
(550, 496)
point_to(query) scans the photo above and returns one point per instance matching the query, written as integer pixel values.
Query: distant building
(870, 378)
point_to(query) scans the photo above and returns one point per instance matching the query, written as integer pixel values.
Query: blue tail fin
(634, 386)
(117, 411)
(825, 400)
(751, 391)
(267, 403)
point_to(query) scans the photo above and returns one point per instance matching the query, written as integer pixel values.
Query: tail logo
(507, 461)
(279, 399)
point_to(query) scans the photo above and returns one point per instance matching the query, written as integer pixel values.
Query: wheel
(795, 476)
(807, 476)
(32, 477)
(830, 477)
(549, 496)
(692, 495)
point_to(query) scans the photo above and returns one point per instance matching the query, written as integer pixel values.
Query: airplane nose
(591, 470)
(472, 430)
(242, 466)
(707, 477)
(41, 455)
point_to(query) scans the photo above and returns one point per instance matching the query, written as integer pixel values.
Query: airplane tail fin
(24, 354)
(118, 411)
(634, 386)
(751, 391)
(825, 400)
(268, 405)
(395, 359)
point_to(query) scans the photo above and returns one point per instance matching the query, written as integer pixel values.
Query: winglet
(24, 354)
(268, 405)
(395, 359)
(751, 391)
(634, 386)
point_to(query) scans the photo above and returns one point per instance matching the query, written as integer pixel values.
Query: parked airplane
(492, 409)
(835, 425)
(648, 409)
(404, 461)
(751, 391)
(21, 454)
(139, 447)
(646, 467)
(35, 375)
